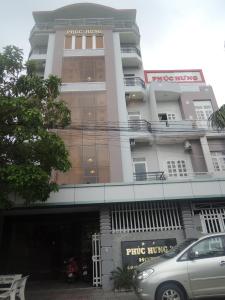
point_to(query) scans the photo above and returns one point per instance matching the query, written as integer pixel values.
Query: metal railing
(131, 50)
(139, 125)
(145, 216)
(180, 126)
(134, 81)
(147, 176)
(119, 25)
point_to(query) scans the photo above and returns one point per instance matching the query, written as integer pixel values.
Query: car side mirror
(192, 255)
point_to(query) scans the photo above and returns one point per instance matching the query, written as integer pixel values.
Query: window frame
(177, 168)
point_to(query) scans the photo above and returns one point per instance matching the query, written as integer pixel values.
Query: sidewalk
(78, 294)
(52, 290)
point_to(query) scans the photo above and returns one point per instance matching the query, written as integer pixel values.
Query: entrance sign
(178, 76)
(137, 252)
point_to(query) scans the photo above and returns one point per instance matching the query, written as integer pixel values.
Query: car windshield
(178, 248)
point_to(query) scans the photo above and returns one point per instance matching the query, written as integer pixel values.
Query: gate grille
(96, 259)
(213, 220)
(145, 216)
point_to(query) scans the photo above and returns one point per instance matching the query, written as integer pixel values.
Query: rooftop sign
(178, 76)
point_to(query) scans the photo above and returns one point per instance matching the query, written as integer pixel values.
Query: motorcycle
(71, 270)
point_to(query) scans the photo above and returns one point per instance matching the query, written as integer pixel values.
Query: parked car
(192, 269)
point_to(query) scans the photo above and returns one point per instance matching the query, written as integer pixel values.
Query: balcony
(129, 32)
(147, 176)
(178, 130)
(38, 54)
(131, 57)
(134, 88)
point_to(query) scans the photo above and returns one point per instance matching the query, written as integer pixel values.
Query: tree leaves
(218, 118)
(29, 150)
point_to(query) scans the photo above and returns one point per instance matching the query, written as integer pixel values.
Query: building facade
(147, 168)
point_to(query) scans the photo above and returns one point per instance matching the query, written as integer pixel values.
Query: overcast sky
(175, 34)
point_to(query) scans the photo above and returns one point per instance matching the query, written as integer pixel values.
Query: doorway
(39, 245)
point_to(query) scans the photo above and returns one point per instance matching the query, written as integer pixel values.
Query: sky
(175, 34)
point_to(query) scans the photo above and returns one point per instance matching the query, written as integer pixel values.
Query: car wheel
(170, 291)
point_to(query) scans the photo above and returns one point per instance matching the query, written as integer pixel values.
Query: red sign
(178, 76)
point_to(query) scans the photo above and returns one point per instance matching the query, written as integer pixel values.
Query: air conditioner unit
(187, 146)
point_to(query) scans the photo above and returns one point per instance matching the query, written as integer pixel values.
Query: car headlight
(145, 274)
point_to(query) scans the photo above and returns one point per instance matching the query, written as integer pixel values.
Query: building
(147, 168)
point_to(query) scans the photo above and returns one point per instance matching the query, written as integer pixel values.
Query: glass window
(134, 120)
(203, 109)
(210, 247)
(218, 159)
(140, 169)
(177, 168)
(89, 43)
(166, 116)
(99, 42)
(68, 41)
(78, 42)
(83, 69)
(171, 116)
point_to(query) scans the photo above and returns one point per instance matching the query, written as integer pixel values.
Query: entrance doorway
(39, 245)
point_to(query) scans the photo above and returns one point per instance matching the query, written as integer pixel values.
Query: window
(78, 42)
(83, 69)
(167, 116)
(171, 117)
(129, 75)
(99, 42)
(134, 120)
(218, 159)
(68, 42)
(177, 168)
(211, 247)
(89, 43)
(203, 109)
(84, 41)
(140, 169)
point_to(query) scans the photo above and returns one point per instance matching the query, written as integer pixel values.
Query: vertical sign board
(137, 252)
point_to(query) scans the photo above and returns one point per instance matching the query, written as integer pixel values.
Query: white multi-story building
(147, 168)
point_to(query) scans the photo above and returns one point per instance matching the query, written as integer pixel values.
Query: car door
(206, 267)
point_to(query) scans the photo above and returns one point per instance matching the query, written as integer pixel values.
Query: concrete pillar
(189, 227)
(122, 112)
(49, 56)
(153, 104)
(207, 154)
(106, 248)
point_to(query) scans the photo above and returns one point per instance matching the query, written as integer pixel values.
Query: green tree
(217, 118)
(30, 113)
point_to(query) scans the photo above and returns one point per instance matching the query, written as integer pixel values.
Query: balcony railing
(147, 176)
(139, 125)
(161, 175)
(131, 50)
(134, 81)
(120, 25)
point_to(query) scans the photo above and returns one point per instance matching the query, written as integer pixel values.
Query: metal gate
(96, 260)
(213, 220)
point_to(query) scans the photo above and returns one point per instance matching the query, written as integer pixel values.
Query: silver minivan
(192, 269)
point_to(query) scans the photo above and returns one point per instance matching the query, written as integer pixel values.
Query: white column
(122, 110)
(94, 41)
(207, 154)
(49, 56)
(153, 104)
(73, 41)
